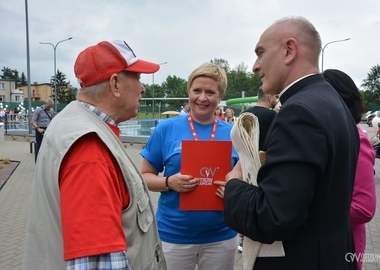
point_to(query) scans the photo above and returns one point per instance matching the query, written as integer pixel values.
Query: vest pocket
(145, 213)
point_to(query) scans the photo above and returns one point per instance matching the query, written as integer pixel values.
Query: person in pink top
(363, 205)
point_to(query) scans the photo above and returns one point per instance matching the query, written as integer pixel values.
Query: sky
(183, 34)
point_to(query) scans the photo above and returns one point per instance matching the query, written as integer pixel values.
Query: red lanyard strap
(193, 131)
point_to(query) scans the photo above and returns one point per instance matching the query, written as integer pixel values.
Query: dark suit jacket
(305, 186)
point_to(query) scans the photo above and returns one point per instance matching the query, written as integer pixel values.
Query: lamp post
(153, 88)
(28, 69)
(55, 68)
(334, 41)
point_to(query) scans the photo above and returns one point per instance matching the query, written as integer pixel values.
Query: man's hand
(235, 173)
(220, 190)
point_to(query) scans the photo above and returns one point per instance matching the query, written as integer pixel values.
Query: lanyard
(192, 128)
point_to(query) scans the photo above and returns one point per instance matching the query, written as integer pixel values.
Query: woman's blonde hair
(212, 71)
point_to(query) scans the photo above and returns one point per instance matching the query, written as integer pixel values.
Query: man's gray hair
(49, 101)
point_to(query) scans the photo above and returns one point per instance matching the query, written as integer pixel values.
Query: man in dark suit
(306, 183)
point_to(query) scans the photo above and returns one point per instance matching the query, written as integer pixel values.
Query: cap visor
(142, 66)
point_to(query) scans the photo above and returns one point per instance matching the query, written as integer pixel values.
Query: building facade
(38, 91)
(9, 93)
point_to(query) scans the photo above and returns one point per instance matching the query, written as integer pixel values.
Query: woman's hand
(182, 183)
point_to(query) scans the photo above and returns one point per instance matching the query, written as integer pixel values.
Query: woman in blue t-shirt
(190, 238)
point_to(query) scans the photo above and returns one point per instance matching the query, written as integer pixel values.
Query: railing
(140, 127)
(18, 124)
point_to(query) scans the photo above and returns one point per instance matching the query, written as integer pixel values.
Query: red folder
(209, 161)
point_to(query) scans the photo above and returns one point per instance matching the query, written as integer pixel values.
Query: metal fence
(18, 122)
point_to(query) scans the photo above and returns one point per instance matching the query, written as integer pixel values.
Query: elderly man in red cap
(90, 206)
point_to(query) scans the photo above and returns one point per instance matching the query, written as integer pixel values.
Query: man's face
(269, 64)
(130, 94)
(273, 100)
(48, 106)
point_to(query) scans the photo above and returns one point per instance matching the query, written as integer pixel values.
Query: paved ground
(14, 205)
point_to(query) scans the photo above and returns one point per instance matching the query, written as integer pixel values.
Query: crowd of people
(91, 207)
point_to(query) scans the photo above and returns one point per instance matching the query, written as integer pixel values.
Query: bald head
(287, 50)
(304, 32)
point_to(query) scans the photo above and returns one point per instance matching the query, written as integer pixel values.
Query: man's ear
(291, 50)
(114, 85)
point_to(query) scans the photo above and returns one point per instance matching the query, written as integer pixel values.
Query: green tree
(239, 80)
(372, 83)
(222, 63)
(22, 79)
(9, 74)
(371, 87)
(158, 92)
(12, 74)
(174, 86)
(65, 94)
(370, 99)
(70, 95)
(149, 92)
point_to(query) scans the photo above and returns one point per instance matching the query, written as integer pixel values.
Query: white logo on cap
(125, 51)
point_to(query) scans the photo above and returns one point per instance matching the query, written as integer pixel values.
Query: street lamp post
(28, 69)
(153, 88)
(334, 41)
(55, 68)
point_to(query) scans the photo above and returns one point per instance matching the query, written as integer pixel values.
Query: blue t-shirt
(163, 152)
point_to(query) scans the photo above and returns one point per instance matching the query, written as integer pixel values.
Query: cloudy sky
(182, 33)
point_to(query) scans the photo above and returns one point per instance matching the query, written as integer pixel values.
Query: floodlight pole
(55, 69)
(28, 70)
(334, 41)
(153, 88)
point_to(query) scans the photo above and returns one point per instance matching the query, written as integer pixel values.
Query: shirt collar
(287, 87)
(100, 114)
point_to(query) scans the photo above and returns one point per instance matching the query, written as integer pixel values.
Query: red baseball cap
(97, 63)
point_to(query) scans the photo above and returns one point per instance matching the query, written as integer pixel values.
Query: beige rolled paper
(245, 140)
